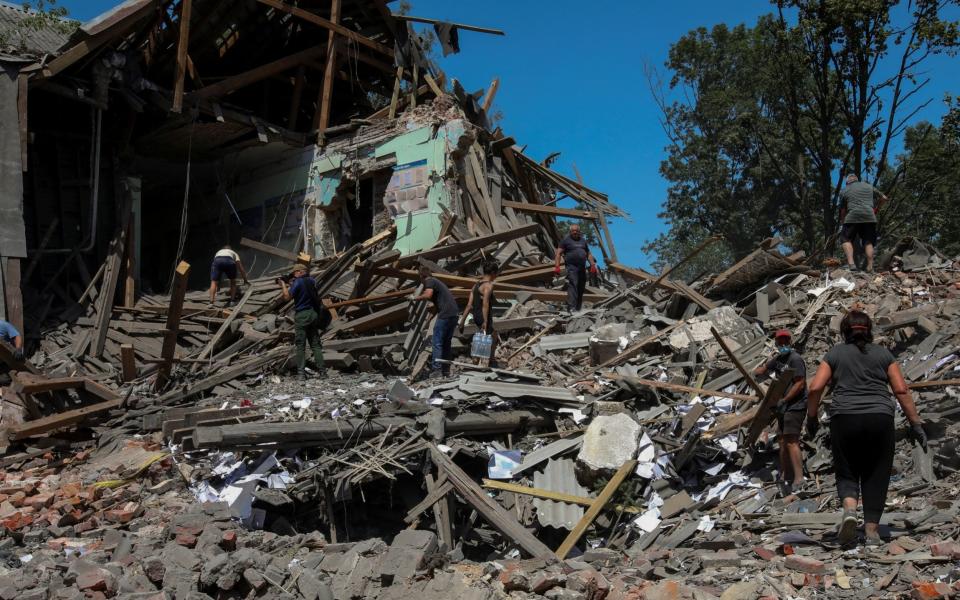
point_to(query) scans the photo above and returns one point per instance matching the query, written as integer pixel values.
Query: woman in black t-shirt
(861, 421)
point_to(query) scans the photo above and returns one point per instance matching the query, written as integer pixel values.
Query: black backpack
(324, 315)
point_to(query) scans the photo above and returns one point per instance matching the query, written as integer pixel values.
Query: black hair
(857, 328)
(491, 267)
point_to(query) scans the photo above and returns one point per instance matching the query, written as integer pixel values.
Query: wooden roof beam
(457, 25)
(330, 25)
(240, 80)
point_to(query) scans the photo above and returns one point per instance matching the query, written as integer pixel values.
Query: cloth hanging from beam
(449, 37)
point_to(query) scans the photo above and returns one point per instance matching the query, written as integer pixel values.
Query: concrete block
(609, 442)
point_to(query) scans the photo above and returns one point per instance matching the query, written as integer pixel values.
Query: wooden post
(743, 371)
(491, 94)
(182, 42)
(581, 527)
(395, 99)
(322, 116)
(173, 324)
(128, 362)
(295, 100)
(14, 298)
(129, 283)
(416, 86)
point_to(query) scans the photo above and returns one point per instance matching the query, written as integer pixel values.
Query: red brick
(39, 501)
(805, 564)
(229, 541)
(764, 553)
(929, 590)
(951, 549)
(590, 583)
(186, 539)
(894, 549)
(123, 514)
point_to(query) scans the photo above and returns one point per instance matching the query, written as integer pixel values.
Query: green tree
(772, 117)
(925, 196)
(726, 141)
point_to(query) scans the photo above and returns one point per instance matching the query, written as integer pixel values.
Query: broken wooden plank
(675, 387)
(736, 362)
(128, 363)
(173, 323)
(549, 210)
(494, 514)
(595, 508)
(183, 39)
(516, 488)
(274, 251)
(59, 421)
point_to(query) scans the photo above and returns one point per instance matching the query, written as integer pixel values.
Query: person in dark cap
(790, 409)
(861, 422)
(309, 319)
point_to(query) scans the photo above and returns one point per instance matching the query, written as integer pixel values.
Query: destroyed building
(155, 447)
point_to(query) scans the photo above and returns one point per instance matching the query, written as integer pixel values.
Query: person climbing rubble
(310, 318)
(445, 325)
(861, 421)
(790, 409)
(859, 216)
(226, 262)
(575, 253)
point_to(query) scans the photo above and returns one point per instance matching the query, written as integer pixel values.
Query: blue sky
(572, 81)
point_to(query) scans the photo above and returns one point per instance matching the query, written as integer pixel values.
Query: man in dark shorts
(445, 325)
(575, 253)
(858, 213)
(791, 409)
(226, 262)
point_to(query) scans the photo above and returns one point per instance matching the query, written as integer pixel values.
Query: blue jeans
(442, 338)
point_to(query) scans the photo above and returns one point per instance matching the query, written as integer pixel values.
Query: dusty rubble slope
(363, 485)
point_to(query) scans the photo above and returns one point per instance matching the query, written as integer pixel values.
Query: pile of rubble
(625, 451)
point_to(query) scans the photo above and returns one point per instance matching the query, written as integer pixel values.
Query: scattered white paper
(649, 520)
(302, 404)
(646, 458)
(842, 283)
(575, 413)
(714, 468)
(728, 443)
(706, 524)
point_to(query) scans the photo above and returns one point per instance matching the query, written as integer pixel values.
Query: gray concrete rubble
(573, 471)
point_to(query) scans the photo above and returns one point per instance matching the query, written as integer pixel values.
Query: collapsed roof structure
(180, 126)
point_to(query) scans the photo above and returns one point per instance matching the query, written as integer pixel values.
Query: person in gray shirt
(859, 217)
(862, 433)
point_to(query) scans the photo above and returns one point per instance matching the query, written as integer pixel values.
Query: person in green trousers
(308, 319)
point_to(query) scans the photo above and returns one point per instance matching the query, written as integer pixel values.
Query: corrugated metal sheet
(519, 390)
(21, 41)
(556, 448)
(558, 476)
(565, 341)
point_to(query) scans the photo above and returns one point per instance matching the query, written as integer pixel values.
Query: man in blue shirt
(308, 319)
(10, 335)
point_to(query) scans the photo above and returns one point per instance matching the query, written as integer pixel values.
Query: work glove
(594, 270)
(460, 327)
(813, 426)
(18, 354)
(917, 434)
(556, 270)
